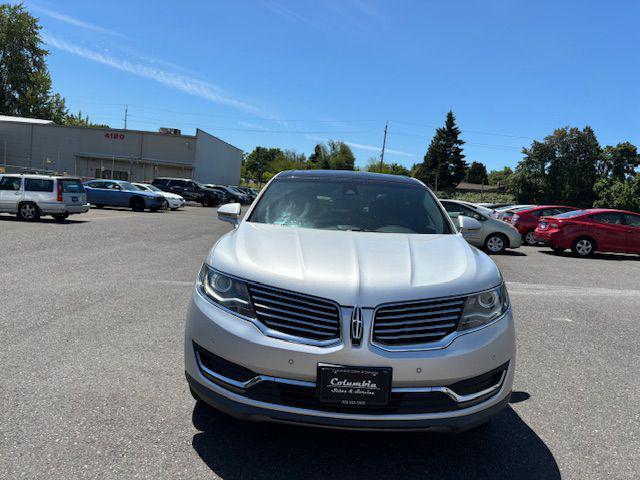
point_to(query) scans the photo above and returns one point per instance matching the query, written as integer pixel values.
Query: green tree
(499, 177)
(444, 162)
(79, 120)
(319, 159)
(477, 173)
(340, 156)
(25, 84)
(256, 164)
(619, 162)
(561, 169)
(374, 165)
(616, 193)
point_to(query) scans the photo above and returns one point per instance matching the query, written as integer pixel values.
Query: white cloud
(74, 21)
(285, 12)
(361, 146)
(189, 85)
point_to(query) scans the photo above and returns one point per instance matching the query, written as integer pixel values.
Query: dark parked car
(588, 231)
(231, 194)
(247, 191)
(190, 190)
(118, 193)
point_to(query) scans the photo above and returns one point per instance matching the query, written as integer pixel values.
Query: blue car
(118, 193)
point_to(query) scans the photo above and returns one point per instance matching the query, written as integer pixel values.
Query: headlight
(482, 308)
(225, 291)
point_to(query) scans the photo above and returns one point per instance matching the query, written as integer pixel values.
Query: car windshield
(345, 204)
(129, 186)
(572, 213)
(153, 188)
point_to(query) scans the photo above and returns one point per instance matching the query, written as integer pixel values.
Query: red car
(526, 221)
(588, 231)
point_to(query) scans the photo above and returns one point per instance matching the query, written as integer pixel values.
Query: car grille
(417, 322)
(295, 314)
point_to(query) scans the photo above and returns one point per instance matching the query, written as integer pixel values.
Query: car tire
(583, 247)
(496, 243)
(137, 204)
(165, 205)
(28, 211)
(529, 238)
(60, 217)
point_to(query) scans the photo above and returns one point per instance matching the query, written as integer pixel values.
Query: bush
(472, 197)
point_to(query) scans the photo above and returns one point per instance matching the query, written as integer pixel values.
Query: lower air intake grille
(417, 322)
(296, 314)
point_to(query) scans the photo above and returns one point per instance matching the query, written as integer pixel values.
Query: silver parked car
(495, 236)
(31, 196)
(350, 300)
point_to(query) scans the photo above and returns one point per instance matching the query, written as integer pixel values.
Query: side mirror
(468, 223)
(230, 213)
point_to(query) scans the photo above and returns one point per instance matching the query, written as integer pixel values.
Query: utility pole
(126, 109)
(384, 144)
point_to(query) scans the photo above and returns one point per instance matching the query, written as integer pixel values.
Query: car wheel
(60, 217)
(583, 247)
(530, 238)
(137, 204)
(165, 205)
(28, 211)
(495, 243)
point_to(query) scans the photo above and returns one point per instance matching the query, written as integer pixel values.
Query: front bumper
(241, 343)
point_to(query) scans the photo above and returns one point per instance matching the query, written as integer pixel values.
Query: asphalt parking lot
(92, 384)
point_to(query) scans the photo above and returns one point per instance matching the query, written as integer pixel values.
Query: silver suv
(350, 300)
(31, 196)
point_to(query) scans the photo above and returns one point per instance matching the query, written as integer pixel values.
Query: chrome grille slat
(417, 329)
(420, 322)
(262, 306)
(419, 315)
(422, 306)
(295, 320)
(416, 322)
(421, 335)
(301, 329)
(296, 315)
(284, 304)
(293, 297)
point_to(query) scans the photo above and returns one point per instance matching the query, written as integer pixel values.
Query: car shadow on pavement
(513, 253)
(13, 218)
(506, 448)
(596, 256)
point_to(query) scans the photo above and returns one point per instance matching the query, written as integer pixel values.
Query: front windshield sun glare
(351, 205)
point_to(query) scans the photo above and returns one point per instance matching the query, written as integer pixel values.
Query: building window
(117, 174)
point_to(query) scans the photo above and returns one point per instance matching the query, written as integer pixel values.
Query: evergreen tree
(477, 173)
(444, 162)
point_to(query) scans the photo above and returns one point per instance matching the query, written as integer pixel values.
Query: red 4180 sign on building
(114, 136)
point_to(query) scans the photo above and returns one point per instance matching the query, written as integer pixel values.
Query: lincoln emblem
(356, 325)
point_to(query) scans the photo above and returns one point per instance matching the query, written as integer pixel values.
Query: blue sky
(291, 73)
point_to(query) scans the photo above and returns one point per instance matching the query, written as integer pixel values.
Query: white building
(40, 145)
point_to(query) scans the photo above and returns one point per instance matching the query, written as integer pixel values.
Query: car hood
(169, 195)
(354, 268)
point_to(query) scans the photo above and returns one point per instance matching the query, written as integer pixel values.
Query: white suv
(350, 300)
(31, 196)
